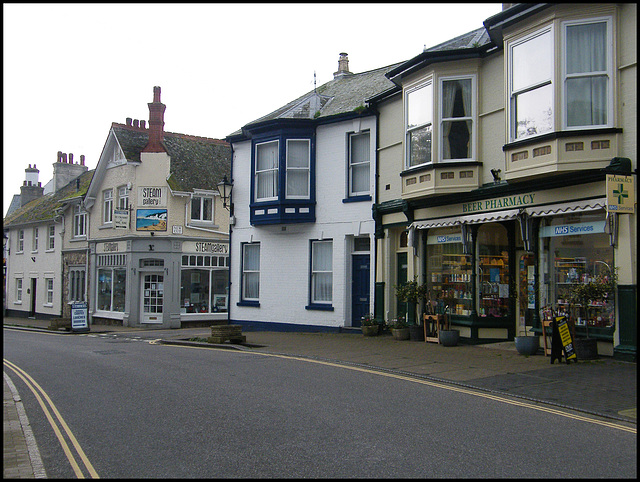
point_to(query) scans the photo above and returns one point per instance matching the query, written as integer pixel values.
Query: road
(139, 409)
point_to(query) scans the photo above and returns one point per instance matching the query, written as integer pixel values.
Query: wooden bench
(223, 333)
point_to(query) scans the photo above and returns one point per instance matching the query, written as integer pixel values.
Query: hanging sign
(121, 219)
(621, 194)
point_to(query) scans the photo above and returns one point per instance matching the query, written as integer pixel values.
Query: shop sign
(208, 247)
(121, 219)
(621, 194)
(79, 317)
(515, 201)
(111, 247)
(444, 239)
(152, 196)
(596, 227)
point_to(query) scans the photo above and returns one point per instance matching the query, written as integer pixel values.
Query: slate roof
(344, 94)
(475, 38)
(44, 208)
(196, 162)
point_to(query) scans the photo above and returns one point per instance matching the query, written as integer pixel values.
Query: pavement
(604, 388)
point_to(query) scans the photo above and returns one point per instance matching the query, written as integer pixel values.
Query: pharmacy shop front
(499, 262)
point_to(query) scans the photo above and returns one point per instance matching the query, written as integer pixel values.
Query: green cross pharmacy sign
(621, 194)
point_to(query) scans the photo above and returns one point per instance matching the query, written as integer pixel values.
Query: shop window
(449, 275)
(575, 249)
(203, 284)
(111, 289)
(493, 271)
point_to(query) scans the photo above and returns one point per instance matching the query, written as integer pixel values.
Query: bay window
(587, 73)
(457, 104)
(531, 85)
(419, 124)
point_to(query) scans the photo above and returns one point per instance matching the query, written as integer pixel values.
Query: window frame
(512, 93)
(79, 222)
(275, 169)
(49, 290)
(34, 239)
(19, 286)
(20, 241)
(350, 164)
(77, 284)
(609, 73)
(429, 124)
(51, 231)
(202, 199)
(107, 206)
(123, 197)
(315, 303)
(296, 168)
(244, 271)
(442, 119)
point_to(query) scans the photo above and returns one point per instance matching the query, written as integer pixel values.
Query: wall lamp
(224, 188)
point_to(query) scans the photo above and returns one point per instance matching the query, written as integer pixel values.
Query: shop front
(159, 282)
(498, 263)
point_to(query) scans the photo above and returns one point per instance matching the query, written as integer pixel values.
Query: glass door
(152, 297)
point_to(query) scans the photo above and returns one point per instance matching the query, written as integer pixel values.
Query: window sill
(252, 304)
(438, 165)
(355, 199)
(319, 307)
(106, 226)
(78, 238)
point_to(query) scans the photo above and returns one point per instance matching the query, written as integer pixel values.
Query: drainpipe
(231, 215)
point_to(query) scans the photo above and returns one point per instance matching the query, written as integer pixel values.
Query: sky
(70, 70)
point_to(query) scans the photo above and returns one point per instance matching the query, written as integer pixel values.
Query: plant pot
(400, 333)
(449, 337)
(370, 330)
(416, 333)
(586, 348)
(527, 345)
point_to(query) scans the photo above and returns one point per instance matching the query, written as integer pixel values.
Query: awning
(561, 208)
(468, 219)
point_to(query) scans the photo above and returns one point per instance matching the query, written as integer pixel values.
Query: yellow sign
(565, 338)
(621, 196)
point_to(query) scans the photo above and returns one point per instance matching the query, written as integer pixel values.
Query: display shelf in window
(493, 285)
(453, 282)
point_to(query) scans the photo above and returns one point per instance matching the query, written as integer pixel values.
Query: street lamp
(225, 188)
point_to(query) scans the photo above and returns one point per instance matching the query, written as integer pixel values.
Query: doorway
(32, 305)
(526, 302)
(152, 288)
(360, 297)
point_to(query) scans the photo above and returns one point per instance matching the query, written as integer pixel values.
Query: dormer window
(202, 209)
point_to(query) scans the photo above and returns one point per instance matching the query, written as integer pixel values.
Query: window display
(204, 284)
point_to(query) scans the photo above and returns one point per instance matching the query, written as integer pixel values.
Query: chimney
(143, 124)
(129, 121)
(65, 172)
(156, 124)
(31, 188)
(343, 67)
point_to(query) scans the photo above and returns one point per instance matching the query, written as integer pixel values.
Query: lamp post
(224, 188)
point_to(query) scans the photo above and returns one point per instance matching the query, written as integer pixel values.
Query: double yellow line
(38, 391)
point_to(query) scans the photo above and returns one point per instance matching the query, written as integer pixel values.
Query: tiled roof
(475, 38)
(44, 208)
(196, 162)
(344, 94)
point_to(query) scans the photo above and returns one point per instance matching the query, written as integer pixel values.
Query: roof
(196, 162)
(44, 208)
(345, 94)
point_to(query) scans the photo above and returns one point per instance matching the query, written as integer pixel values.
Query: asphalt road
(139, 409)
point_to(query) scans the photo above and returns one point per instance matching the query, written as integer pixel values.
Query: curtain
(322, 271)
(586, 67)
(298, 168)
(448, 99)
(359, 163)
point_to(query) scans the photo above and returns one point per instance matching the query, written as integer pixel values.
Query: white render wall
(285, 249)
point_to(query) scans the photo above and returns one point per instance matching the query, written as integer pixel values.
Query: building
(494, 153)
(155, 227)
(35, 228)
(302, 230)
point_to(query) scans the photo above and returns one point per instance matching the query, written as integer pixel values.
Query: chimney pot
(59, 156)
(143, 124)
(39, 184)
(82, 159)
(128, 121)
(64, 158)
(135, 123)
(343, 66)
(70, 158)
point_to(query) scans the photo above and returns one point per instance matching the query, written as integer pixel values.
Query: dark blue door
(360, 287)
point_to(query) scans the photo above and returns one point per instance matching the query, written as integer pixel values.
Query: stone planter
(586, 348)
(416, 333)
(449, 337)
(400, 333)
(527, 345)
(370, 330)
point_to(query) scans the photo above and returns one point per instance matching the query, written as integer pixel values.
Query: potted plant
(370, 327)
(598, 289)
(411, 292)
(527, 345)
(448, 336)
(399, 328)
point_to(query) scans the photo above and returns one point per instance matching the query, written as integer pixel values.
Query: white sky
(70, 70)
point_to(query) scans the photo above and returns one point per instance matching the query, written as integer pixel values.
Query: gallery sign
(206, 247)
(152, 197)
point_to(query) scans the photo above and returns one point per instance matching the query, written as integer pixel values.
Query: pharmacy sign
(621, 194)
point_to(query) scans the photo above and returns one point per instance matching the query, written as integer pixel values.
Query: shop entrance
(152, 288)
(525, 304)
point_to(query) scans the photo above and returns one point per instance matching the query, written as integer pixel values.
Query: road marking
(444, 386)
(35, 388)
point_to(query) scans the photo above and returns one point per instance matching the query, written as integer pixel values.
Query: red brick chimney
(156, 123)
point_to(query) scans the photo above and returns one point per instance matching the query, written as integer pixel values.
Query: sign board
(152, 197)
(205, 247)
(562, 341)
(79, 318)
(121, 219)
(621, 194)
